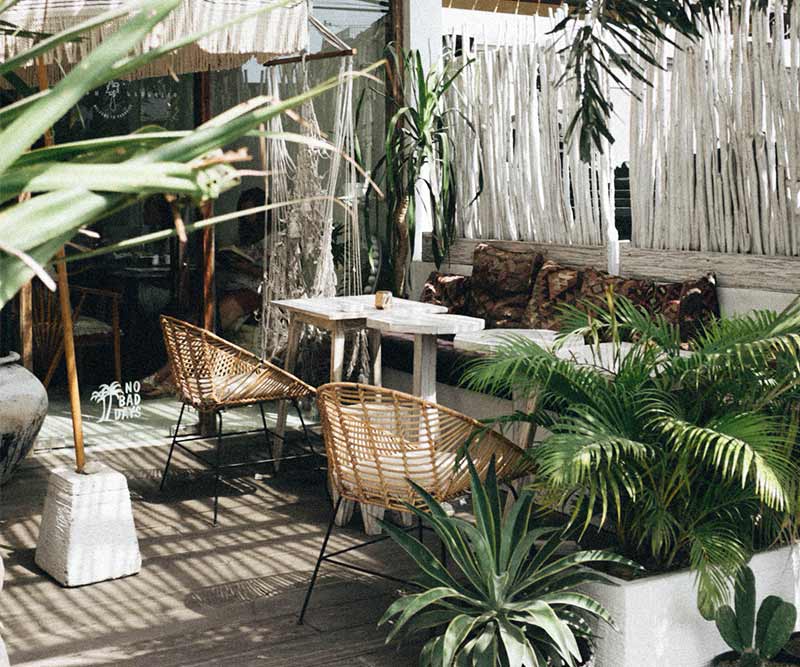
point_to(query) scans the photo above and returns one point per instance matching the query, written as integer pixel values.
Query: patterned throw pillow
(502, 281)
(555, 285)
(639, 291)
(699, 305)
(447, 289)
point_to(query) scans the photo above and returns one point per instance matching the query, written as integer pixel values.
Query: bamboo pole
(66, 320)
(26, 325)
(208, 423)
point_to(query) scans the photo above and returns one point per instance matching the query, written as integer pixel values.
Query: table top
(423, 323)
(489, 340)
(341, 308)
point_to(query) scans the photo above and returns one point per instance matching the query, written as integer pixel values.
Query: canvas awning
(278, 32)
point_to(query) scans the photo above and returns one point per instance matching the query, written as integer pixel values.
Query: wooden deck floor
(205, 596)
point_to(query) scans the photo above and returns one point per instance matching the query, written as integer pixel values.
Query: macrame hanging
(298, 247)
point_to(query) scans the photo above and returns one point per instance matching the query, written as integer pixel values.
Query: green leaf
(516, 646)
(93, 71)
(774, 626)
(745, 604)
(729, 629)
(540, 614)
(485, 653)
(457, 632)
(580, 601)
(413, 604)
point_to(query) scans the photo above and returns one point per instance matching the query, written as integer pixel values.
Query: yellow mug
(383, 300)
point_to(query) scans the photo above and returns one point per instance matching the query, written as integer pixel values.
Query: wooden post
(26, 325)
(66, 320)
(208, 423)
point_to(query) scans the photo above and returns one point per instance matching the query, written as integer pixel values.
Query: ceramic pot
(23, 406)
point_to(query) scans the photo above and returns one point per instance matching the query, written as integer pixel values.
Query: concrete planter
(658, 619)
(23, 406)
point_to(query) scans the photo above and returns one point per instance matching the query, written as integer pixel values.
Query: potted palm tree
(419, 157)
(686, 461)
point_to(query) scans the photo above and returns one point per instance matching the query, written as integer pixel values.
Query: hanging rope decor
(715, 142)
(512, 114)
(299, 238)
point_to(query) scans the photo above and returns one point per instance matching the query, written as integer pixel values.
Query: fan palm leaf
(687, 448)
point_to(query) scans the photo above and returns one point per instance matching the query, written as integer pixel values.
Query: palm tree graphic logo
(106, 395)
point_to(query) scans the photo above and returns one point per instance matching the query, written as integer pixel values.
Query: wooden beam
(322, 55)
(461, 252)
(763, 272)
(759, 272)
(520, 7)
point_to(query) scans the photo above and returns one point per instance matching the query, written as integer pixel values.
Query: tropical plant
(689, 459)
(419, 152)
(78, 184)
(773, 626)
(620, 38)
(514, 599)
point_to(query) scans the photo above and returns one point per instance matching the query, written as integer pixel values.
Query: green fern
(688, 459)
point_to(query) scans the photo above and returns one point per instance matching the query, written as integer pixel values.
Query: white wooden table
(426, 327)
(339, 315)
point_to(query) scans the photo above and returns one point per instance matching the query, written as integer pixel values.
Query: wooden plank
(765, 272)
(770, 273)
(461, 251)
(518, 7)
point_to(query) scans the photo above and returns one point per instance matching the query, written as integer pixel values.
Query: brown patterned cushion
(447, 289)
(502, 281)
(555, 285)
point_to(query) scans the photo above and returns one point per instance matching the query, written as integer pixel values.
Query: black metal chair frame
(332, 557)
(216, 465)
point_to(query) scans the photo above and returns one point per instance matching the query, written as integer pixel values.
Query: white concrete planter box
(659, 625)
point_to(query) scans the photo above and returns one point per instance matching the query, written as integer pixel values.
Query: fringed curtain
(715, 142)
(280, 31)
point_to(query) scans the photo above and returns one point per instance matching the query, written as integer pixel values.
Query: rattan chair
(95, 321)
(377, 439)
(213, 375)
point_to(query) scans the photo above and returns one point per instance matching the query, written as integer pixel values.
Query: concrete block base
(87, 532)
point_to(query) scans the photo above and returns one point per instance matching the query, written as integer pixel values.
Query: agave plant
(689, 459)
(78, 184)
(513, 600)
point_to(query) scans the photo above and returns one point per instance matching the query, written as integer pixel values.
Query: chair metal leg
(319, 562)
(303, 424)
(172, 447)
(216, 468)
(267, 434)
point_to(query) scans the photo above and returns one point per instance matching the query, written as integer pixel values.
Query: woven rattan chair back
(376, 439)
(212, 373)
